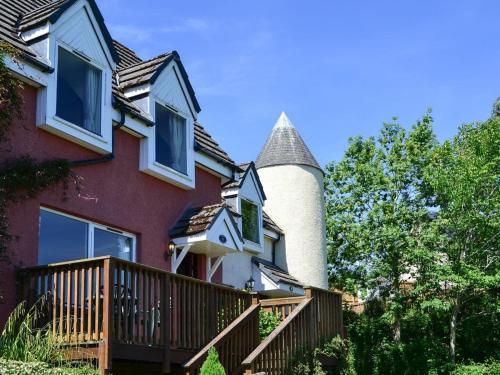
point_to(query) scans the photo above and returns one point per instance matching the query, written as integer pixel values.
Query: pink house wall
(114, 193)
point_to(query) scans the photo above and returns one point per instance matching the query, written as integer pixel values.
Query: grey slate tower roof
(285, 146)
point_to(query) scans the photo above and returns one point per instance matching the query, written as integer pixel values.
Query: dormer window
(171, 139)
(78, 92)
(250, 221)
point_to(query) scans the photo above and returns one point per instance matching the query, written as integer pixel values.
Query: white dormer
(161, 89)
(247, 197)
(76, 103)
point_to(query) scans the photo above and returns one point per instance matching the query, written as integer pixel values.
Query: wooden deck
(115, 310)
(119, 309)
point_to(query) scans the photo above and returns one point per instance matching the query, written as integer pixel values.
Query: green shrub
(487, 368)
(212, 365)
(268, 322)
(9, 367)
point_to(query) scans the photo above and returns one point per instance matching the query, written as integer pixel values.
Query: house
(160, 211)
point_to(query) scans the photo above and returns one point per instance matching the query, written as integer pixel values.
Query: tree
(212, 365)
(464, 174)
(377, 206)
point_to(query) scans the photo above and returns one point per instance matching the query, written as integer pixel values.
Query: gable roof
(245, 169)
(274, 272)
(50, 11)
(285, 146)
(148, 71)
(200, 219)
(27, 14)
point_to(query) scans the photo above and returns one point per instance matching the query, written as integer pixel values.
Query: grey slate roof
(206, 144)
(285, 146)
(269, 223)
(274, 272)
(17, 15)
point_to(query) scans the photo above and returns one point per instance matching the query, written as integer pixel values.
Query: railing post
(165, 322)
(105, 355)
(255, 298)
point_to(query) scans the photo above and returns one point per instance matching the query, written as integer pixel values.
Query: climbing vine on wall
(21, 177)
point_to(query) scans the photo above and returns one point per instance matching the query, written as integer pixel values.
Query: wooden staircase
(306, 323)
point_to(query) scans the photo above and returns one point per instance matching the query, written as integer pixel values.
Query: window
(250, 218)
(78, 92)
(171, 149)
(64, 238)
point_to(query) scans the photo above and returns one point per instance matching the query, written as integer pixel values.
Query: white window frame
(90, 232)
(103, 83)
(148, 150)
(47, 107)
(249, 244)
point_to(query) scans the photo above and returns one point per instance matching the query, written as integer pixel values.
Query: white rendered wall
(295, 201)
(237, 267)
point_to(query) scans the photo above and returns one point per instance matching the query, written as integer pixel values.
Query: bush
(488, 368)
(8, 367)
(268, 321)
(212, 365)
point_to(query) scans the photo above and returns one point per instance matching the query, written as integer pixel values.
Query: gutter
(108, 157)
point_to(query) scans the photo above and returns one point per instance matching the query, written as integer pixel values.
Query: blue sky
(337, 68)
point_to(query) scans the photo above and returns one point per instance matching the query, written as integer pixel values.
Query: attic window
(171, 139)
(250, 221)
(78, 92)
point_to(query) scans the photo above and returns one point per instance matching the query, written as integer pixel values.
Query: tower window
(250, 218)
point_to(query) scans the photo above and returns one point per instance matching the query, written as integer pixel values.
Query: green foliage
(212, 365)
(268, 321)
(308, 362)
(402, 207)
(377, 213)
(22, 339)
(26, 345)
(488, 368)
(20, 178)
(10, 367)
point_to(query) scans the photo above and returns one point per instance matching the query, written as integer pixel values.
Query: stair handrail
(248, 363)
(196, 361)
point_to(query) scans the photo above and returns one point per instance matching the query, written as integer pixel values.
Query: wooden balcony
(113, 309)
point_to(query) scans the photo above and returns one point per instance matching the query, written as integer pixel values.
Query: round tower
(293, 183)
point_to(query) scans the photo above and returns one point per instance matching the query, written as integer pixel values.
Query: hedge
(8, 367)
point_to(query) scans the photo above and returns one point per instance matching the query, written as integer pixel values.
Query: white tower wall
(295, 201)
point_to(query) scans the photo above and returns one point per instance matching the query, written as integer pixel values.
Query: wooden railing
(281, 307)
(108, 300)
(316, 319)
(233, 344)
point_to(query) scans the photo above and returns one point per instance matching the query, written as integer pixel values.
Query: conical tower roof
(285, 146)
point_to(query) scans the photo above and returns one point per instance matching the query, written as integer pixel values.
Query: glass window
(111, 243)
(78, 92)
(171, 149)
(250, 218)
(61, 238)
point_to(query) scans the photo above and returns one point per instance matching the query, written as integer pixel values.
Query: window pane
(114, 244)
(250, 217)
(61, 238)
(78, 92)
(170, 139)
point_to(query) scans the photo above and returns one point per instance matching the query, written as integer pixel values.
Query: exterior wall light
(171, 248)
(250, 284)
